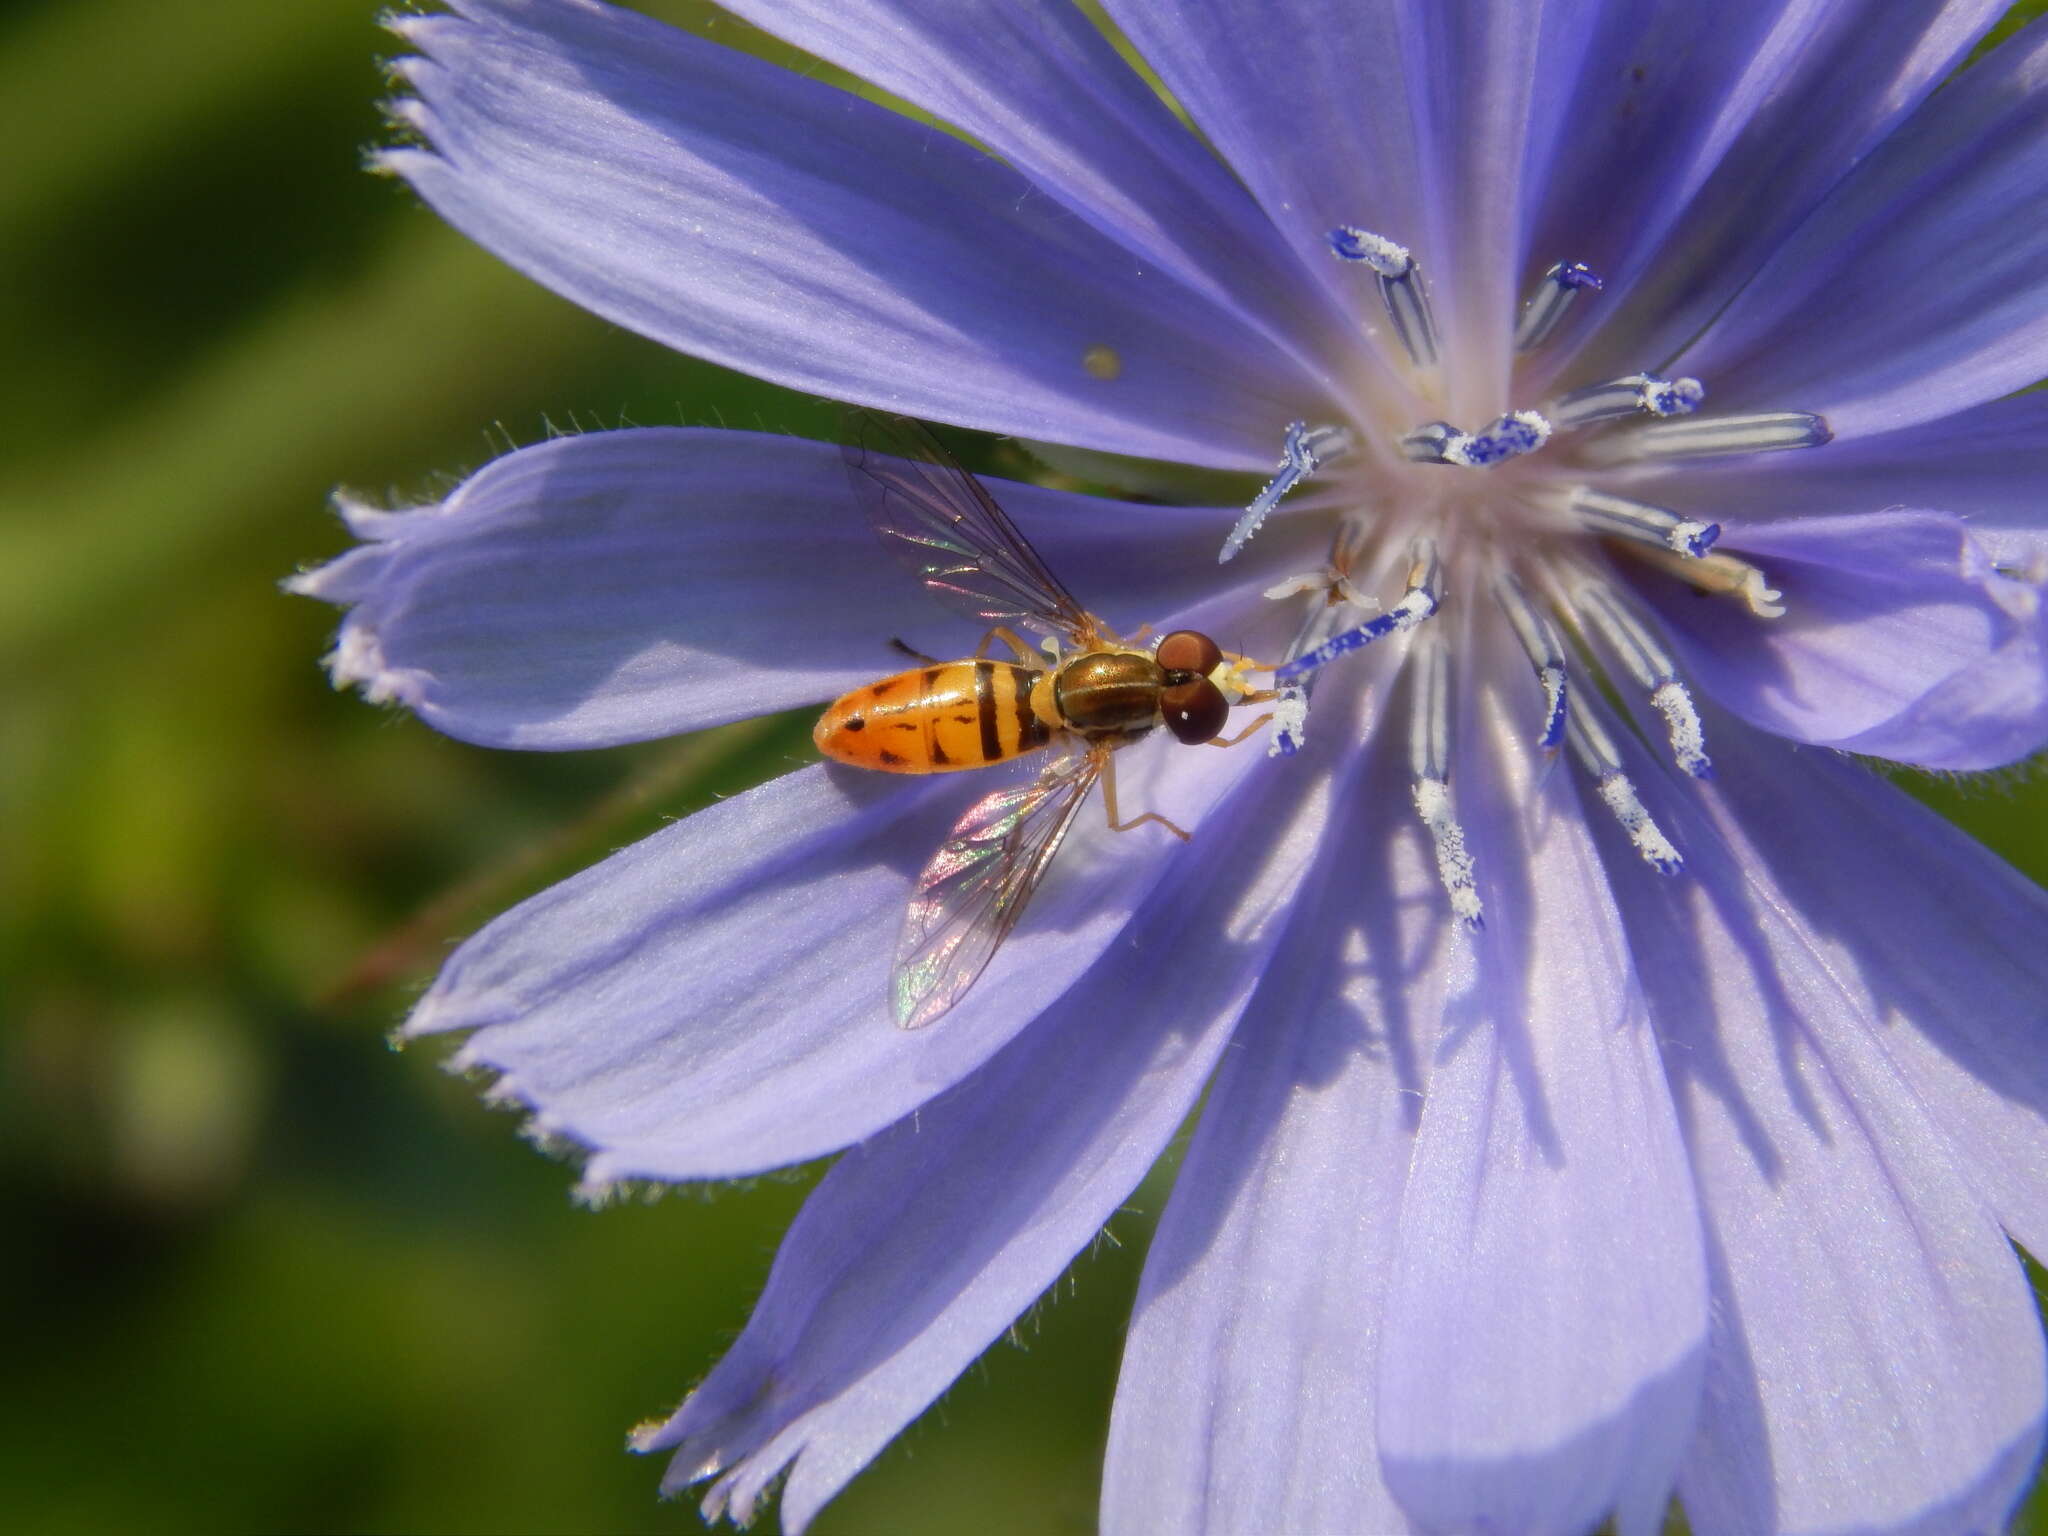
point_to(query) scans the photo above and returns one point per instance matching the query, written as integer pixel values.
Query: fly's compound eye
(1187, 651)
(1195, 712)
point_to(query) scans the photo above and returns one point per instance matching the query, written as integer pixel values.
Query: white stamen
(1386, 257)
(1341, 602)
(1766, 432)
(1635, 394)
(1453, 860)
(1328, 580)
(1400, 283)
(1554, 295)
(1429, 755)
(1762, 599)
(1290, 722)
(1652, 667)
(1303, 452)
(1606, 513)
(1648, 837)
(1545, 653)
(1421, 599)
(1721, 573)
(1297, 586)
(1682, 728)
(1594, 749)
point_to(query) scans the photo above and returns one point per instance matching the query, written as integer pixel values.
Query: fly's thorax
(1109, 693)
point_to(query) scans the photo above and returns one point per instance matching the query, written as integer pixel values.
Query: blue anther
(1337, 645)
(1698, 545)
(1673, 397)
(1560, 286)
(1507, 438)
(1384, 256)
(1301, 455)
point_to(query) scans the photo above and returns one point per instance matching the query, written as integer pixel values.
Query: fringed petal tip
(408, 117)
(423, 29)
(354, 574)
(603, 1179)
(405, 114)
(594, 1192)
(546, 1133)
(357, 661)
(357, 658)
(735, 1493)
(404, 25)
(737, 1498)
(707, 1442)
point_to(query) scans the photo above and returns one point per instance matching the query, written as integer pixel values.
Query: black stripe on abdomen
(1031, 731)
(985, 706)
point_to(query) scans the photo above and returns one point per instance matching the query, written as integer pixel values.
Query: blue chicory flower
(1611, 1090)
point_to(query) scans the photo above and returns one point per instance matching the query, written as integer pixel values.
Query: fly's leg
(897, 643)
(1231, 741)
(1026, 656)
(1109, 806)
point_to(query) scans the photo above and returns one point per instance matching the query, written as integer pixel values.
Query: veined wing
(978, 883)
(943, 524)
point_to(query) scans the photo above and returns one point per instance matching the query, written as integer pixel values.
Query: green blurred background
(261, 1273)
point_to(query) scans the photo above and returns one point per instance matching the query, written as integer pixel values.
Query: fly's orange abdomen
(957, 714)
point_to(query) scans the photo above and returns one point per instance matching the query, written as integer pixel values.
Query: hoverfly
(1083, 702)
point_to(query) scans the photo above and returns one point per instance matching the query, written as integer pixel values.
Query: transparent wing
(940, 521)
(978, 883)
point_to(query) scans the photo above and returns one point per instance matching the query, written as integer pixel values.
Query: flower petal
(1411, 119)
(1812, 89)
(924, 1243)
(1246, 1401)
(1641, 144)
(1900, 639)
(1546, 1324)
(1309, 105)
(1916, 290)
(1940, 946)
(1042, 87)
(1877, 1361)
(1987, 466)
(713, 1000)
(629, 585)
(1496, 87)
(742, 213)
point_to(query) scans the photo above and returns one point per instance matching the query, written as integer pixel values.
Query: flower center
(1514, 511)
